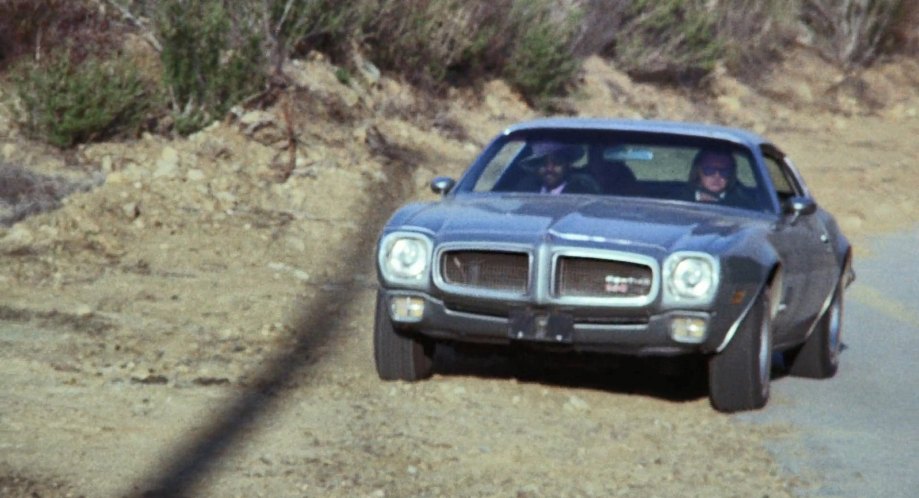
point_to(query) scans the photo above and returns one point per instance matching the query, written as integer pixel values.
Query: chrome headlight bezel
(404, 259)
(690, 278)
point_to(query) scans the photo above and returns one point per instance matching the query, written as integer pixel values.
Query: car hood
(646, 226)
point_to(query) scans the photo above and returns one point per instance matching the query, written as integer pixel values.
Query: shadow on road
(678, 379)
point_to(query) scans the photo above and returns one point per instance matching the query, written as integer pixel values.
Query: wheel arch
(846, 277)
(771, 283)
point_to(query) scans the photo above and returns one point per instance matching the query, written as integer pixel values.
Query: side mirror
(799, 206)
(442, 185)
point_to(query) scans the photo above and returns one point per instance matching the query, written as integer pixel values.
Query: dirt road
(333, 429)
(855, 436)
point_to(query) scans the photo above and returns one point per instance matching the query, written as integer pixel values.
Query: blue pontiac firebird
(625, 237)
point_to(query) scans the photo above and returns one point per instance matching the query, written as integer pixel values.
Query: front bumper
(569, 329)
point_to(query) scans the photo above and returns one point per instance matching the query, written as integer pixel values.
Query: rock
(254, 120)
(49, 231)
(730, 104)
(6, 212)
(575, 404)
(195, 175)
(131, 210)
(296, 243)
(263, 127)
(133, 172)
(17, 239)
(168, 164)
(226, 197)
(803, 93)
(368, 71)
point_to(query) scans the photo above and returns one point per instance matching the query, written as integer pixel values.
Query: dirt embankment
(199, 301)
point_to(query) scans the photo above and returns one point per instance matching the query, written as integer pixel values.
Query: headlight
(691, 277)
(404, 258)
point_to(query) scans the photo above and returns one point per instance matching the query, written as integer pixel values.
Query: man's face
(553, 172)
(715, 171)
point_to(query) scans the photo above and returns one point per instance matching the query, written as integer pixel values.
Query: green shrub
(434, 43)
(430, 42)
(343, 76)
(541, 62)
(64, 102)
(210, 62)
(601, 22)
(669, 41)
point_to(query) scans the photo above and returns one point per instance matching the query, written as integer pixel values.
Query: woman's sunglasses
(711, 170)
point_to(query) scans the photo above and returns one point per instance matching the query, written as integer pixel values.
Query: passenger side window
(784, 183)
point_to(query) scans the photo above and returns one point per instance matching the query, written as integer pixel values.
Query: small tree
(65, 102)
(670, 41)
(541, 62)
(210, 62)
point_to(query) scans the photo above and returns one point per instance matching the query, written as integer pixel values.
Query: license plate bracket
(530, 325)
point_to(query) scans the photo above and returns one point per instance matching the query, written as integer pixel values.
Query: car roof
(686, 128)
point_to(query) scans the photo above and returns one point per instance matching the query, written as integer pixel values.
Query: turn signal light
(688, 329)
(406, 308)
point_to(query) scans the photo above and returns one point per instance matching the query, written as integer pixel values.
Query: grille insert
(498, 271)
(590, 277)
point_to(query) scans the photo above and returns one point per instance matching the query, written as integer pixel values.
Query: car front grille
(590, 277)
(497, 271)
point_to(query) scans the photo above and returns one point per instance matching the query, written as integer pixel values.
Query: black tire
(739, 376)
(818, 357)
(399, 356)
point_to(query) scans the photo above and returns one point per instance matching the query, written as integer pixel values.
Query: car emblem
(614, 284)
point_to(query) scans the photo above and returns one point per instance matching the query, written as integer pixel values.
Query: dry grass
(24, 193)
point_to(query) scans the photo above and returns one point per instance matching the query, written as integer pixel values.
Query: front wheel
(818, 357)
(738, 376)
(399, 356)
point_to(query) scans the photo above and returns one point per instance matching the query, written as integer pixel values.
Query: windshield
(650, 165)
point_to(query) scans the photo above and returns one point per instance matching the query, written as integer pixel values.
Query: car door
(804, 247)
